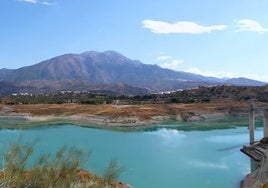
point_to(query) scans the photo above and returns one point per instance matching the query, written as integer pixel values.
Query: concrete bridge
(257, 151)
(252, 111)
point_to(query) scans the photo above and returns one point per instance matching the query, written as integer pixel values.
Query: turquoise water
(166, 156)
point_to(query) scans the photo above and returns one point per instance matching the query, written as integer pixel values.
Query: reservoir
(168, 155)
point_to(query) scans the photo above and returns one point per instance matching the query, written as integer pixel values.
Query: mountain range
(103, 71)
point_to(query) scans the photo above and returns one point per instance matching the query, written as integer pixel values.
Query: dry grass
(142, 111)
(119, 115)
(265, 185)
(59, 171)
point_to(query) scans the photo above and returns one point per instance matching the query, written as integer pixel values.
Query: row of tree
(201, 94)
(88, 98)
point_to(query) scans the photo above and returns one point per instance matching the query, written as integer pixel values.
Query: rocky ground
(123, 115)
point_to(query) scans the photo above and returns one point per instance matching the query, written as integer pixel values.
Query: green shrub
(113, 170)
(205, 100)
(175, 99)
(189, 100)
(52, 171)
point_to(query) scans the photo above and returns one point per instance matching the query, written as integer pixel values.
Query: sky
(209, 37)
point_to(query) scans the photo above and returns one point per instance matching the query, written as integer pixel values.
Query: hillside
(100, 71)
(189, 105)
(44, 87)
(243, 82)
(8, 88)
(223, 93)
(104, 68)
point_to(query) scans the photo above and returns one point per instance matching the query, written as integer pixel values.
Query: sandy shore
(118, 115)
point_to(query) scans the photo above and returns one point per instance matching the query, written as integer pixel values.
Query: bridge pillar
(265, 123)
(251, 122)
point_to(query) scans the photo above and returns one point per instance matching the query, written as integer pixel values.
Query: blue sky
(210, 37)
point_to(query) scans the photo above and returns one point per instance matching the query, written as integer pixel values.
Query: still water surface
(165, 156)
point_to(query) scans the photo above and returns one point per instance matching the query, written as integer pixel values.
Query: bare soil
(124, 115)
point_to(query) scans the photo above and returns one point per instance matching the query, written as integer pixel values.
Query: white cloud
(30, 1)
(168, 62)
(161, 27)
(224, 74)
(250, 25)
(173, 64)
(38, 1)
(162, 58)
(218, 74)
(47, 3)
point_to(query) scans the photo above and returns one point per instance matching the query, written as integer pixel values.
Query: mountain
(8, 88)
(105, 68)
(4, 73)
(102, 70)
(41, 87)
(244, 82)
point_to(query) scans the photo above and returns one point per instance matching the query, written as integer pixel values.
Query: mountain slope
(244, 82)
(42, 87)
(98, 70)
(105, 68)
(4, 73)
(8, 88)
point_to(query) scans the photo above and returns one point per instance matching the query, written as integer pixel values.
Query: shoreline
(113, 116)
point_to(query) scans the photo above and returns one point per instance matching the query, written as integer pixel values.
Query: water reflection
(164, 156)
(253, 165)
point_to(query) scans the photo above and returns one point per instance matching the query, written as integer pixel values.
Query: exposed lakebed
(183, 155)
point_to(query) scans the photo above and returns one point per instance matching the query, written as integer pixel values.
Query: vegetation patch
(61, 170)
